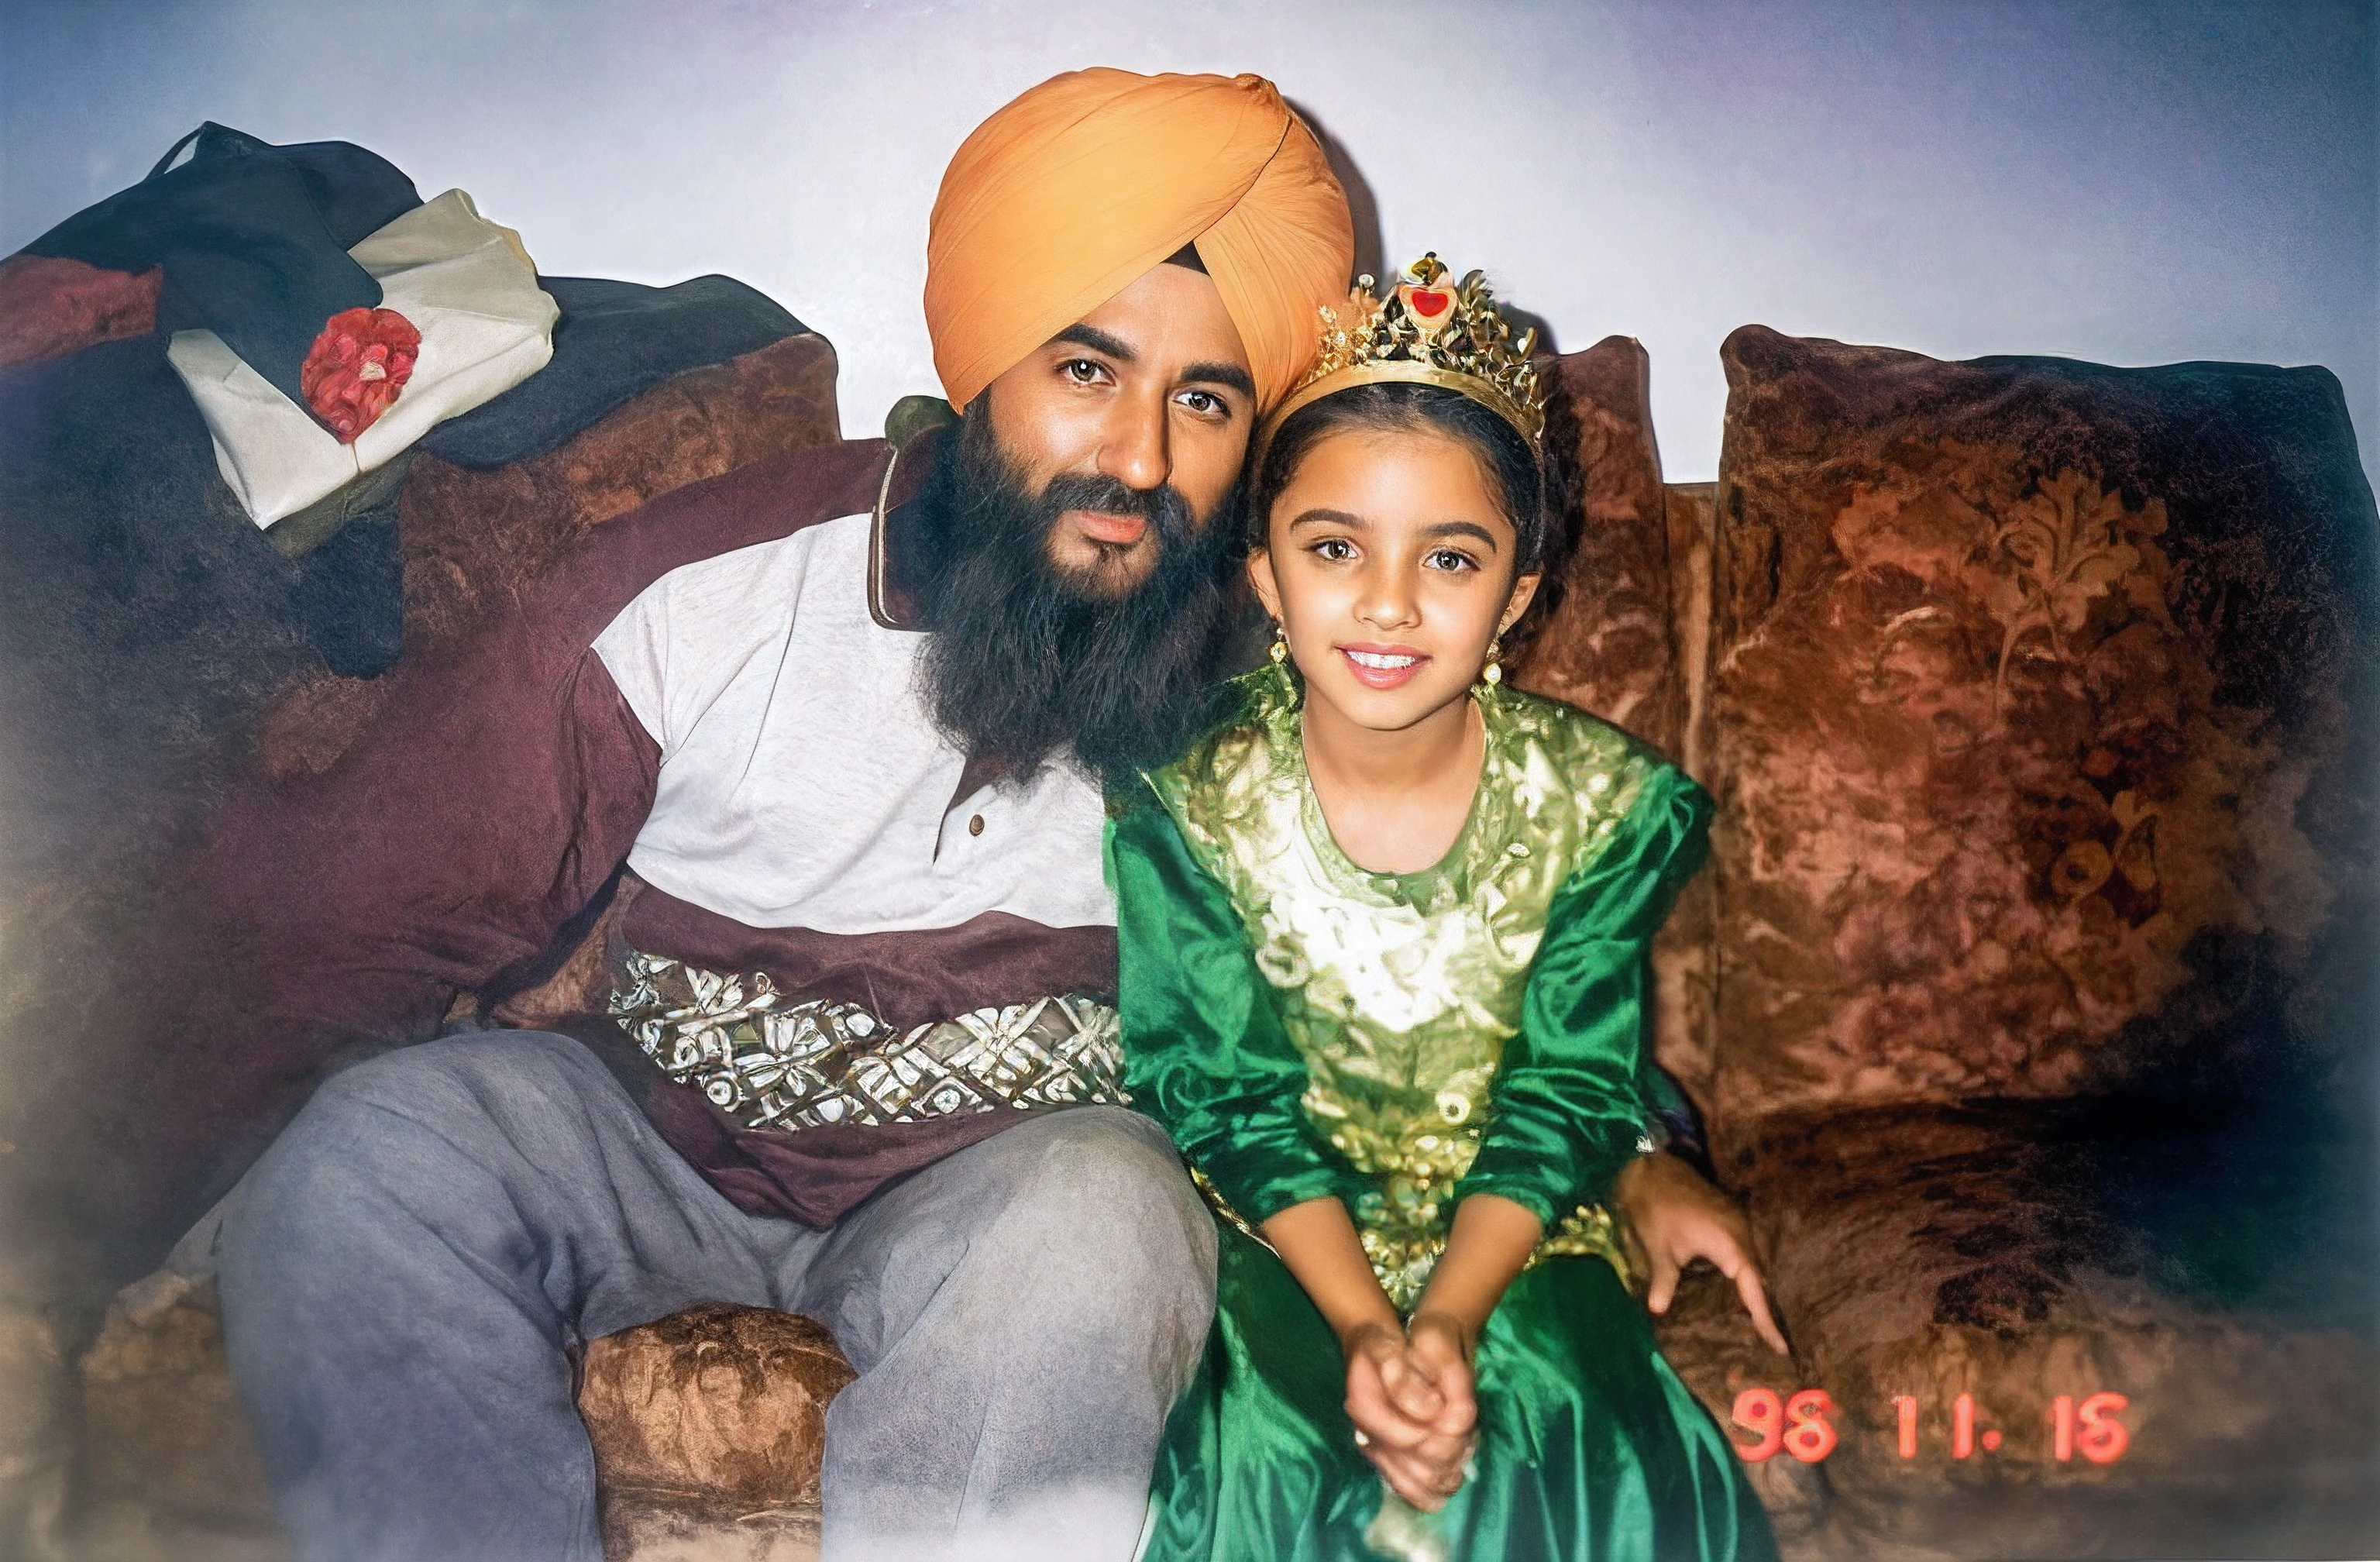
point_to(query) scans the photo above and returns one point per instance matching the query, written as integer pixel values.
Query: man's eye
(1451, 559)
(1082, 371)
(1206, 404)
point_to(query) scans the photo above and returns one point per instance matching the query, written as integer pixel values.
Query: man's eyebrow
(1099, 341)
(1461, 529)
(1229, 375)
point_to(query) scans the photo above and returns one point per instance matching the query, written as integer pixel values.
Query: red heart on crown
(1427, 302)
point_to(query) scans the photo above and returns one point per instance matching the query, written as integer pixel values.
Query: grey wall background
(2131, 181)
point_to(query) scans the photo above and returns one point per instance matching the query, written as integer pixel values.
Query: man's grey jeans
(401, 1270)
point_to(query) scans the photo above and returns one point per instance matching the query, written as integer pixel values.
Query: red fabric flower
(355, 367)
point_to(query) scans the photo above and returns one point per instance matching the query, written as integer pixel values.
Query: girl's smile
(1383, 667)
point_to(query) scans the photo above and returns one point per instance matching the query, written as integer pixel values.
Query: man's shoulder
(680, 644)
(761, 580)
(761, 503)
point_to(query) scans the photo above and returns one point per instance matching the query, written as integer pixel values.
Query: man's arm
(498, 787)
(1674, 1217)
(335, 915)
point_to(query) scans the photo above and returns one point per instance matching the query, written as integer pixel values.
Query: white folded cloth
(465, 283)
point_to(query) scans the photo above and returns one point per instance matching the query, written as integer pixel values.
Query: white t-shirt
(803, 782)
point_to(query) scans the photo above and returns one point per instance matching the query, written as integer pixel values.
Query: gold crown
(1424, 332)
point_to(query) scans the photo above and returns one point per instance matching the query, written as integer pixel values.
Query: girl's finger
(1451, 1376)
(1410, 1389)
(1446, 1455)
(1369, 1410)
(1458, 1412)
(1425, 1482)
(1417, 1484)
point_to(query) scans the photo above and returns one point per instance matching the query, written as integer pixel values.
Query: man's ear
(1525, 590)
(1260, 579)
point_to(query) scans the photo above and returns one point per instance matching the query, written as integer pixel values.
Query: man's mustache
(1162, 506)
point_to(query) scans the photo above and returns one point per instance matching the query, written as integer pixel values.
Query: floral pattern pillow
(2040, 719)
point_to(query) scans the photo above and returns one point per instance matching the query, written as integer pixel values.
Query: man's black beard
(1022, 660)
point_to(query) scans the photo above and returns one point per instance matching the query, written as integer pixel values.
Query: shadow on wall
(1360, 202)
(1371, 257)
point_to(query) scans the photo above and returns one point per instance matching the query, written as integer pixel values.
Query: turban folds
(1061, 199)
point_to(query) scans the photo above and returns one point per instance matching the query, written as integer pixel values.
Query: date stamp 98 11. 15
(1803, 1425)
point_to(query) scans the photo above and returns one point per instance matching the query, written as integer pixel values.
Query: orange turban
(1060, 200)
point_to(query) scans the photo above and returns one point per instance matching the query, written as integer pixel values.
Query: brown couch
(2028, 998)
(151, 1458)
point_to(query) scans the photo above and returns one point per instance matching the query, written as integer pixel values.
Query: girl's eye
(1451, 559)
(1334, 548)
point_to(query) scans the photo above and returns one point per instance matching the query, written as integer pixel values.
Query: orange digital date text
(1803, 1426)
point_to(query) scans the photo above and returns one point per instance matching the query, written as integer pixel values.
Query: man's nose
(1137, 450)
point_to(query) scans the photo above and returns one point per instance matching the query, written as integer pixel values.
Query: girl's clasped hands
(1410, 1394)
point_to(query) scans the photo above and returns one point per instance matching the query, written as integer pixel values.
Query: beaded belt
(771, 1063)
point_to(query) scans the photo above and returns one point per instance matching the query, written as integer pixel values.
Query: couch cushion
(708, 1426)
(51, 306)
(1626, 598)
(1603, 642)
(2039, 715)
(2040, 723)
(2015, 1252)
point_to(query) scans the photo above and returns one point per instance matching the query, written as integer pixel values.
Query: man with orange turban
(821, 741)
(844, 718)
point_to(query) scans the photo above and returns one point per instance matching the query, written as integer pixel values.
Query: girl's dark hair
(1392, 406)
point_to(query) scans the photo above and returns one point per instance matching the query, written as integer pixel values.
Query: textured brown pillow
(1627, 604)
(708, 1426)
(2040, 715)
(1604, 641)
(2041, 723)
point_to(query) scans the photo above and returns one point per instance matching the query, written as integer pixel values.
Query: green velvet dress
(1306, 1029)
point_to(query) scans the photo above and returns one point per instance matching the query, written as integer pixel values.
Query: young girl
(1384, 938)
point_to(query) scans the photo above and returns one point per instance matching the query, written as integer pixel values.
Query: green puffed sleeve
(1566, 1106)
(1203, 1052)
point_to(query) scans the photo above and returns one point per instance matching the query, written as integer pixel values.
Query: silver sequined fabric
(769, 1062)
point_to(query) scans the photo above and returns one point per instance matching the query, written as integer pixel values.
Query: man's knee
(385, 1146)
(1101, 1219)
(470, 1093)
(1034, 1342)
(1105, 1168)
